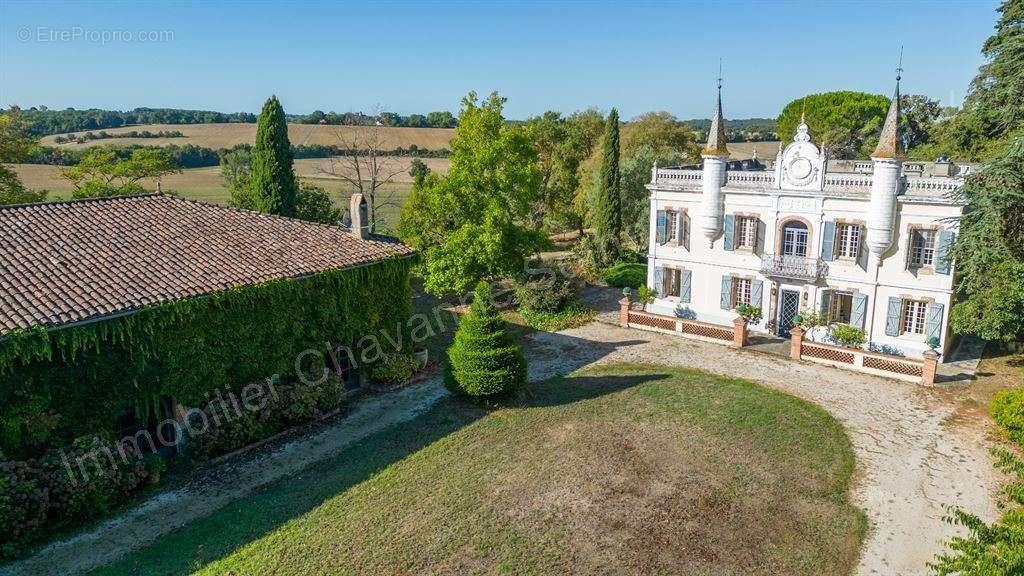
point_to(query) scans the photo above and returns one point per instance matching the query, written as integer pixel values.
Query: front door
(789, 306)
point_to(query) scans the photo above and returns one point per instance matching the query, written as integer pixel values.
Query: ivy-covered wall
(59, 385)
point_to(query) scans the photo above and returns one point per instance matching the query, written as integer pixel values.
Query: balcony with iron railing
(793, 267)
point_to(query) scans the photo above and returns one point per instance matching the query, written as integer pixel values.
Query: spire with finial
(716, 135)
(889, 143)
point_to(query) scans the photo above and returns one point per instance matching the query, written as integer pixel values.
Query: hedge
(625, 275)
(60, 385)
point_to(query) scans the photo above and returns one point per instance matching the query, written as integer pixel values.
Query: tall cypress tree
(272, 186)
(608, 216)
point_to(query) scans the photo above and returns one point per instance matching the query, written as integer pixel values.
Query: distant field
(743, 150)
(206, 184)
(227, 135)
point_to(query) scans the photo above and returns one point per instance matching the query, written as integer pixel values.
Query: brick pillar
(624, 310)
(739, 333)
(931, 364)
(796, 341)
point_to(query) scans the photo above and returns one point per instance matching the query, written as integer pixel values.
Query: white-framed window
(746, 232)
(847, 240)
(670, 282)
(840, 307)
(672, 226)
(922, 248)
(913, 316)
(740, 291)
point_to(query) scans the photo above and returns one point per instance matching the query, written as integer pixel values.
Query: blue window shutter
(684, 222)
(828, 241)
(756, 289)
(684, 285)
(661, 234)
(933, 322)
(659, 281)
(730, 231)
(825, 296)
(892, 317)
(726, 293)
(762, 230)
(859, 310)
(942, 249)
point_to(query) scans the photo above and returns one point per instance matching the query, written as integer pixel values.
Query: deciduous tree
(101, 173)
(470, 224)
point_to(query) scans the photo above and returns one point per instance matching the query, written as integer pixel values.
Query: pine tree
(272, 187)
(997, 92)
(989, 249)
(608, 209)
(484, 361)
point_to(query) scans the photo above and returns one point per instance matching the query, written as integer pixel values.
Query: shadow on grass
(259, 514)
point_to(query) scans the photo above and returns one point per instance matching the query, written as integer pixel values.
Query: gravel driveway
(912, 456)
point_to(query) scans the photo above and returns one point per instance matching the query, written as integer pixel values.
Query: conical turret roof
(890, 145)
(716, 136)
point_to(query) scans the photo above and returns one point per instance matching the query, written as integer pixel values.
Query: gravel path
(912, 456)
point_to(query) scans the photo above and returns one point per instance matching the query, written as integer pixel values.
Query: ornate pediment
(801, 166)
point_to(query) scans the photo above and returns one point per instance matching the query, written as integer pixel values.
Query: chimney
(360, 221)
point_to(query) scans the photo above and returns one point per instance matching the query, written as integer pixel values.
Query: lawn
(629, 469)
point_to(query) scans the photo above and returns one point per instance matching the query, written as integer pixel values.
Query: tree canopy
(471, 224)
(103, 173)
(846, 123)
(15, 146)
(608, 197)
(989, 249)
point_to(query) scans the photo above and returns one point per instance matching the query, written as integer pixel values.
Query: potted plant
(645, 296)
(848, 336)
(750, 314)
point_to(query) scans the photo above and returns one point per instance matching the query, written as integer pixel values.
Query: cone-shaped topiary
(484, 360)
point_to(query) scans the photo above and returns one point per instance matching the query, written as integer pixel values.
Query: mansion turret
(864, 243)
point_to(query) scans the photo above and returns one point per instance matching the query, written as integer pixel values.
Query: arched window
(794, 239)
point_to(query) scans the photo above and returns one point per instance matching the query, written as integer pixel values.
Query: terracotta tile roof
(66, 262)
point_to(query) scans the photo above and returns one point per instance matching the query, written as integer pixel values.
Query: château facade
(866, 243)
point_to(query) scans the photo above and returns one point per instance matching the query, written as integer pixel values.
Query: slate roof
(72, 261)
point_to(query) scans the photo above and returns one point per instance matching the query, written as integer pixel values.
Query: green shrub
(749, 313)
(394, 369)
(546, 294)
(626, 275)
(847, 335)
(40, 496)
(573, 316)
(294, 404)
(645, 295)
(1007, 410)
(484, 360)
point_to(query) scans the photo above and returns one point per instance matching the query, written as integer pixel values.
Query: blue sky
(417, 57)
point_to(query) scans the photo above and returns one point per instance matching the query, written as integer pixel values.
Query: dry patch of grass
(227, 135)
(629, 469)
